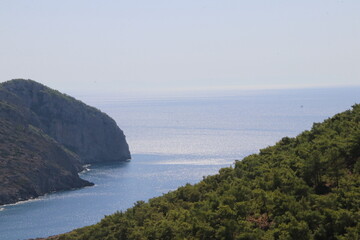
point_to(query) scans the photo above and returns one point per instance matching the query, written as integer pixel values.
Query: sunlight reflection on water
(173, 143)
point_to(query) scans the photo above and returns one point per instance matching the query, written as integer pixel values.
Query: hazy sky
(122, 46)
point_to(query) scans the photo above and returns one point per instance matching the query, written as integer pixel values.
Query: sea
(174, 140)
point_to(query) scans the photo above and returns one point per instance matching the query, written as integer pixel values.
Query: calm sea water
(173, 141)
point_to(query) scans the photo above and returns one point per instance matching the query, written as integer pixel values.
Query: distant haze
(126, 46)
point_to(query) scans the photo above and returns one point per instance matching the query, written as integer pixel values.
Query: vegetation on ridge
(306, 187)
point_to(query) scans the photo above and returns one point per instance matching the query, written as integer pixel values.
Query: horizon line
(222, 89)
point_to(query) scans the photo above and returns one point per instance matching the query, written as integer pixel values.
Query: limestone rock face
(86, 131)
(46, 137)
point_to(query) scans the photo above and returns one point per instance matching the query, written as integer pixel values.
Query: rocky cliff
(32, 164)
(84, 130)
(46, 137)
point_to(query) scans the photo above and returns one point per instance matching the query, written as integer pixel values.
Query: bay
(174, 140)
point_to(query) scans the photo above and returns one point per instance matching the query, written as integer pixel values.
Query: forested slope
(306, 187)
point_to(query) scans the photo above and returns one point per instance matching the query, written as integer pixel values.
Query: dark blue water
(174, 141)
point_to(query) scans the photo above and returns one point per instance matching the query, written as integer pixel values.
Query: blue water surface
(174, 141)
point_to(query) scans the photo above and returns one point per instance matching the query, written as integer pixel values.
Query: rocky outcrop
(32, 164)
(84, 130)
(46, 137)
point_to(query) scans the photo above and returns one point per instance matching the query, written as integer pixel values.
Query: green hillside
(306, 187)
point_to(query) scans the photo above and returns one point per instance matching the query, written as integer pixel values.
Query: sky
(114, 46)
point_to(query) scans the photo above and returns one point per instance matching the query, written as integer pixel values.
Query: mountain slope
(46, 137)
(306, 187)
(86, 131)
(32, 164)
